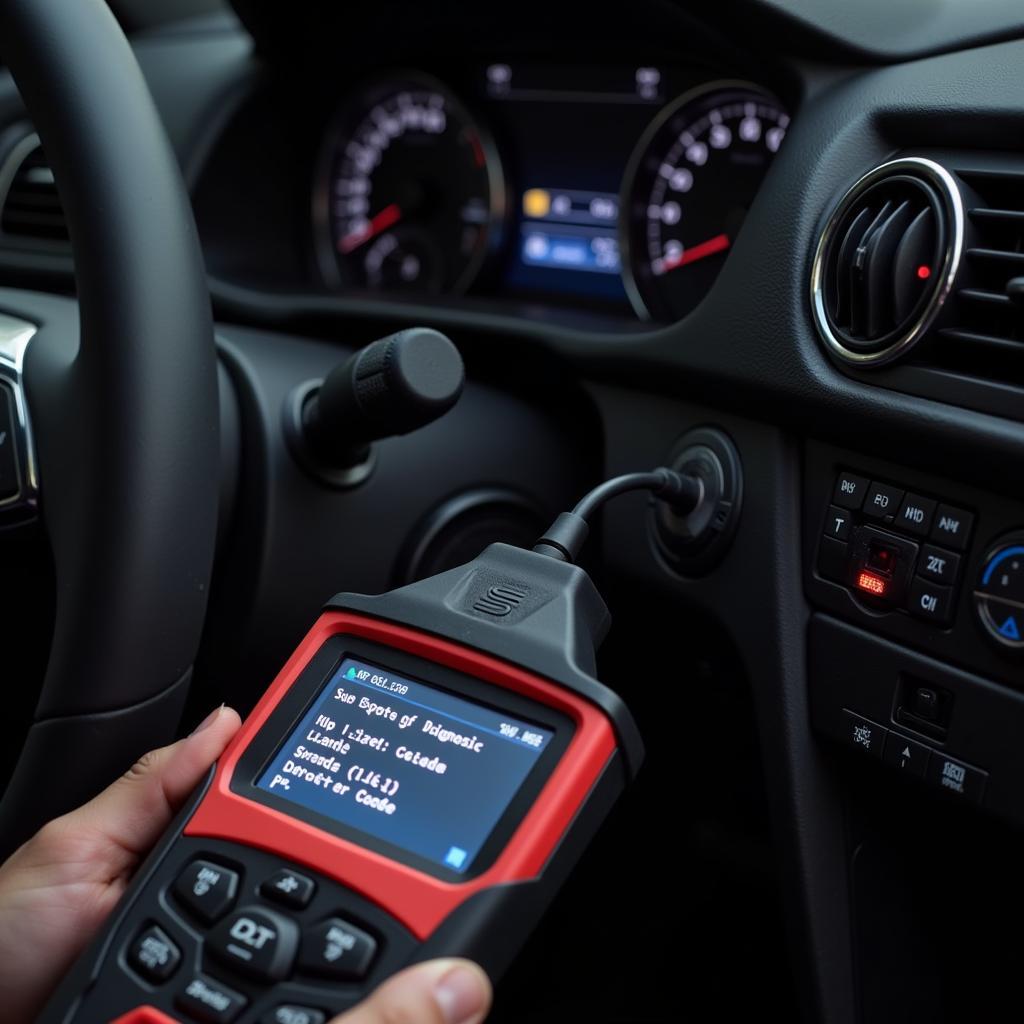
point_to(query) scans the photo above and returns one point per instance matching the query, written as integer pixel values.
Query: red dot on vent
(924, 272)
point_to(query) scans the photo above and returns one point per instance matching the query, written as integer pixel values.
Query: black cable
(569, 531)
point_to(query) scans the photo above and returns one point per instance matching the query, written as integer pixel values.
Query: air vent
(984, 333)
(886, 260)
(31, 207)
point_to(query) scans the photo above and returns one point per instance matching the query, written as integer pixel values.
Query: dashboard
(622, 186)
(608, 190)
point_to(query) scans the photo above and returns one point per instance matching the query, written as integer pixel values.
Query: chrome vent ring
(886, 261)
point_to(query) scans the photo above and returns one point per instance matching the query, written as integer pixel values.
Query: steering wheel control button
(838, 523)
(999, 597)
(209, 1001)
(909, 756)
(256, 942)
(938, 565)
(8, 458)
(952, 527)
(207, 890)
(864, 735)
(289, 888)
(153, 954)
(849, 491)
(882, 502)
(916, 515)
(957, 778)
(336, 950)
(292, 1014)
(931, 602)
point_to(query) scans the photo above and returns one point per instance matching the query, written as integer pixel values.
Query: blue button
(455, 857)
(1010, 629)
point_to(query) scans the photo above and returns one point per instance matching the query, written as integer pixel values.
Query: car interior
(777, 245)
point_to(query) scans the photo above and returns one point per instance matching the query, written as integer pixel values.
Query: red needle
(388, 216)
(696, 252)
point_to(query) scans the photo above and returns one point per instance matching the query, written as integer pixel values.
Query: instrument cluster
(612, 188)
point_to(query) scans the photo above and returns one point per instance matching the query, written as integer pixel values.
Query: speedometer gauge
(686, 192)
(410, 194)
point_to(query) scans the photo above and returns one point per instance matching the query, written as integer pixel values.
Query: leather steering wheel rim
(125, 417)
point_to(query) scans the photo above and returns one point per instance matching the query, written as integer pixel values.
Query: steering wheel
(124, 416)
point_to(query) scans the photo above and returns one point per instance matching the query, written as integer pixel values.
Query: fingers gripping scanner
(417, 781)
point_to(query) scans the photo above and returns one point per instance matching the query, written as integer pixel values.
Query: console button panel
(899, 713)
(882, 560)
(932, 563)
(914, 759)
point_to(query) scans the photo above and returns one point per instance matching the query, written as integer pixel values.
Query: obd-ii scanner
(417, 782)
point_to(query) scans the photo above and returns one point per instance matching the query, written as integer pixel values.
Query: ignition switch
(691, 544)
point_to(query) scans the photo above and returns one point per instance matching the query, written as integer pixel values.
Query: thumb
(436, 992)
(134, 811)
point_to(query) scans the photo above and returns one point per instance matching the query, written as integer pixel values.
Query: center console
(916, 639)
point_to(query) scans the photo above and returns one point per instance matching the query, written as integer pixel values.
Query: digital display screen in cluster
(406, 762)
(572, 130)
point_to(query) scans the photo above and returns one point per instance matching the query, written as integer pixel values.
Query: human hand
(58, 889)
(435, 992)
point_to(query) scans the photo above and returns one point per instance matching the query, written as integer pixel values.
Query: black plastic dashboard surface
(751, 344)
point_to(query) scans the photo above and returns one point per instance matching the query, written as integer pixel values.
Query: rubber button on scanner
(289, 888)
(153, 954)
(207, 889)
(291, 1014)
(337, 950)
(209, 1001)
(256, 942)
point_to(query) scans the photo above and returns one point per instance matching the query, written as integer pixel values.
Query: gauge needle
(696, 252)
(381, 222)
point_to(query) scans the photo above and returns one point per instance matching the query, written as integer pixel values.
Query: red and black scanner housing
(514, 630)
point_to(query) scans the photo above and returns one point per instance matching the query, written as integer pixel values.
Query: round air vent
(886, 260)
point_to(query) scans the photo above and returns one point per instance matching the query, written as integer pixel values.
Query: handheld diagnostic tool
(417, 781)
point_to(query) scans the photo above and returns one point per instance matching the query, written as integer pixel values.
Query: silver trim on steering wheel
(15, 334)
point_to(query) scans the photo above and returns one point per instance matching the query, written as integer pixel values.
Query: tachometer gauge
(687, 189)
(410, 195)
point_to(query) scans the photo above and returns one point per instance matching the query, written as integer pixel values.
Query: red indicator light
(872, 584)
(924, 272)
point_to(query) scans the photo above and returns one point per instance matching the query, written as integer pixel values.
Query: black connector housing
(523, 607)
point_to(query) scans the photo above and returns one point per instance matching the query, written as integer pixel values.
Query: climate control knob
(999, 595)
